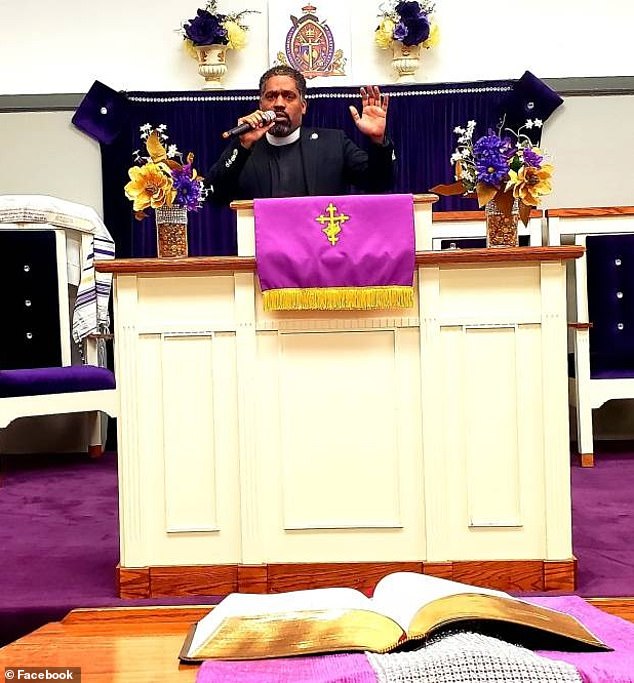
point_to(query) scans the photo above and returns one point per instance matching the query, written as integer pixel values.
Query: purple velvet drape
(421, 120)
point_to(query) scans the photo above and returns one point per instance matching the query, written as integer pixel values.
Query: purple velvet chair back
(610, 281)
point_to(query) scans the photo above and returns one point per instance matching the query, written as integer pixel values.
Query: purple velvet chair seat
(57, 380)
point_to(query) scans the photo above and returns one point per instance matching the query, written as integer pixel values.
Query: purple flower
(206, 29)
(491, 155)
(532, 158)
(409, 9)
(413, 27)
(188, 190)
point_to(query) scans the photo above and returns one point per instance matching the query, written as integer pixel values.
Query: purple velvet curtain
(421, 120)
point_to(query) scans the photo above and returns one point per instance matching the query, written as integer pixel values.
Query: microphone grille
(269, 115)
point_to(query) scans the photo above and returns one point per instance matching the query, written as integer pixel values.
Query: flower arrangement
(410, 22)
(210, 27)
(163, 178)
(501, 168)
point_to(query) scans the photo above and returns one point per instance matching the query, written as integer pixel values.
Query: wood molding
(189, 264)
(591, 212)
(474, 215)
(580, 326)
(586, 459)
(227, 264)
(195, 580)
(485, 256)
(558, 577)
(247, 204)
(133, 583)
(219, 580)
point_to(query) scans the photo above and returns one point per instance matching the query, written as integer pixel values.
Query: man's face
(281, 95)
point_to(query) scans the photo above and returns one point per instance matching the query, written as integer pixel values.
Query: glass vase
(171, 232)
(501, 227)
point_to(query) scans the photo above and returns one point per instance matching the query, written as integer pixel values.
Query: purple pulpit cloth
(342, 668)
(596, 667)
(344, 252)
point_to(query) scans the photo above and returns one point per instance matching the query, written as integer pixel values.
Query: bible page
(250, 604)
(401, 595)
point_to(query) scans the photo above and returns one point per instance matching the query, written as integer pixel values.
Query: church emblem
(333, 222)
(310, 47)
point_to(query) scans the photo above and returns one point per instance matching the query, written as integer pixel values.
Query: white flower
(456, 156)
(458, 130)
(528, 124)
(538, 123)
(172, 151)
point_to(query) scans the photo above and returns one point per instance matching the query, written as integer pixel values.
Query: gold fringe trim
(338, 298)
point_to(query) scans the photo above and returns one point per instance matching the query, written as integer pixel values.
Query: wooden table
(141, 644)
(115, 645)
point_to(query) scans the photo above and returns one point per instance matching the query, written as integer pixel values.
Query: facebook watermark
(42, 673)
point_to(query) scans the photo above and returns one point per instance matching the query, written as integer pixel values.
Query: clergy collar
(286, 140)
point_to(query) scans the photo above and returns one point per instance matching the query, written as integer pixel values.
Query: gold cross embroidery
(332, 223)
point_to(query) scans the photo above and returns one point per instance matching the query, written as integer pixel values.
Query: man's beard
(281, 129)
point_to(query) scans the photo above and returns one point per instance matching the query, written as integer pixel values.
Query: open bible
(405, 608)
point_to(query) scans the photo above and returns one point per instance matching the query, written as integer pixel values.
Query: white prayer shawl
(93, 295)
(470, 658)
(90, 314)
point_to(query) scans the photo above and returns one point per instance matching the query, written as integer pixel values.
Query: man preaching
(272, 155)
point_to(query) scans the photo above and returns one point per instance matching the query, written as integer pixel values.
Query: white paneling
(338, 408)
(189, 500)
(194, 303)
(493, 491)
(484, 426)
(490, 295)
(338, 448)
(188, 436)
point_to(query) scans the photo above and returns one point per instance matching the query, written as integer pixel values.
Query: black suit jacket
(332, 163)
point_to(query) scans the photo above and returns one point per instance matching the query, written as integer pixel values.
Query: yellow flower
(434, 36)
(530, 184)
(150, 186)
(236, 35)
(188, 46)
(384, 34)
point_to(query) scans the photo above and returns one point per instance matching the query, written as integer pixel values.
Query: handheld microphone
(267, 117)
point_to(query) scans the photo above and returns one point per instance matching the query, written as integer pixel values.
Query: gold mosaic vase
(171, 232)
(501, 227)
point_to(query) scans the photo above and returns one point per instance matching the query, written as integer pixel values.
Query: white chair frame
(567, 226)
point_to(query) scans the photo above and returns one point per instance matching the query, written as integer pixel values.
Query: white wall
(590, 140)
(63, 46)
(44, 153)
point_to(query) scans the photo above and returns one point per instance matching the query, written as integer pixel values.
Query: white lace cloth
(93, 294)
(470, 658)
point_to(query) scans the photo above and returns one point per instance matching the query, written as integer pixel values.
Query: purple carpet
(603, 522)
(59, 534)
(60, 543)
